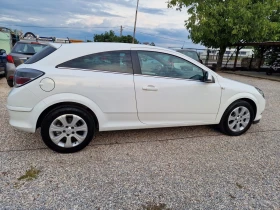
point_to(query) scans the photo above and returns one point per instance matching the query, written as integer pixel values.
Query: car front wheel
(237, 119)
(67, 129)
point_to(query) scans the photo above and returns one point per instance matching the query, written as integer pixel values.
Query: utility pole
(135, 22)
(121, 31)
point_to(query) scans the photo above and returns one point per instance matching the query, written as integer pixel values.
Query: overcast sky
(156, 23)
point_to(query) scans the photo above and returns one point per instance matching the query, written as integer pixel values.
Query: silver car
(21, 52)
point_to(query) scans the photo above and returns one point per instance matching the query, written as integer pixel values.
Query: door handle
(149, 88)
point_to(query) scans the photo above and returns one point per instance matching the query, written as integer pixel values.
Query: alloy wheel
(239, 119)
(68, 130)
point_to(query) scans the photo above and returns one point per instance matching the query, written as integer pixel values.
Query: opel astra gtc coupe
(73, 91)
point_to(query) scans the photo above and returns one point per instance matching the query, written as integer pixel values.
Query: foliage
(222, 23)
(112, 37)
(30, 174)
(272, 56)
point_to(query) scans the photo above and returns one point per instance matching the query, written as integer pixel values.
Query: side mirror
(208, 78)
(2, 51)
(201, 61)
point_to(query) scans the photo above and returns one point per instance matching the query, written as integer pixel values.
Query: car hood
(239, 87)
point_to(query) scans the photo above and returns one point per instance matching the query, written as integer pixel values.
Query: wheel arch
(239, 97)
(62, 99)
(66, 103)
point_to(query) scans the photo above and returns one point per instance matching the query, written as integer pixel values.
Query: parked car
(190, 53)
(3, 60)
(21, 52)
(74, 91)
(29, 45)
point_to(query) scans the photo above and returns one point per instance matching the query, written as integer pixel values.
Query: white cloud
(35, 19)
(9, 19)
(87, 20)
(81, 16)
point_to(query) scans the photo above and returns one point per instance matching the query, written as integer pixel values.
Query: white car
(73, 91)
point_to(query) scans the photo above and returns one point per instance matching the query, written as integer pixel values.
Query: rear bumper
(22, 119)
(2, 70)
(10, 70)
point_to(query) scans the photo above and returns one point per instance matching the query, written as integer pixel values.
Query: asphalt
(176, 168)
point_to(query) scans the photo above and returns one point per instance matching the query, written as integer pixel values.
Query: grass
(30, 174)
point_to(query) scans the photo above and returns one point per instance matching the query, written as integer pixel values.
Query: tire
(69, 137)
(10, 83)
(231, 122)
(29, 34)
(269, 72)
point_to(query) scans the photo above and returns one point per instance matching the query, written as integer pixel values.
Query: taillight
(24, 76)
(10, 59)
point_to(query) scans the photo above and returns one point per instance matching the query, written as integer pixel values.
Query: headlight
(260, 91)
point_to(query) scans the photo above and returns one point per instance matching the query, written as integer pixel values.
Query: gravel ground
(180, 168)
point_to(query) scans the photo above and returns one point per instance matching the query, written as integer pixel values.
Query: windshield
(27, 48)
(191, 54)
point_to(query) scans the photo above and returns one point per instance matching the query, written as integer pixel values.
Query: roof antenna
(183, 45)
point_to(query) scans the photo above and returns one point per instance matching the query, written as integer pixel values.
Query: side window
(113, 61)
(165, 65)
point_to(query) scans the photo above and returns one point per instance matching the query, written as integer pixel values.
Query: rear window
(27, 48)
(40, 55)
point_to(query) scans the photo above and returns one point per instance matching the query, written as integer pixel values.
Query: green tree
(112, 37)
(222, 23)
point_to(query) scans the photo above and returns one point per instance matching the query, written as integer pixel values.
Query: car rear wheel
(10, 83)
(67, 129)
(237, 119)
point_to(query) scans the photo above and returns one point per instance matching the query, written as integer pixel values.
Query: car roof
(189, 50)
(113, 45)
(67, 52)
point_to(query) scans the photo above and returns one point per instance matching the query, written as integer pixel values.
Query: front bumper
(256, 121)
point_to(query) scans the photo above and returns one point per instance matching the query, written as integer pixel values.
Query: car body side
(85, 91)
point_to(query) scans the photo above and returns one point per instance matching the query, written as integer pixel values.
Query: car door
(174, 94)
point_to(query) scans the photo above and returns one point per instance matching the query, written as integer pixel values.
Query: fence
(246, 59)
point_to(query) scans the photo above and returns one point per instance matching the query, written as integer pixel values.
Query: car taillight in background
(10, 59)
(24, 76)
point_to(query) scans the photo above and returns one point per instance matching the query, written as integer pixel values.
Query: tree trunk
(261, 58)
(220, 58)
(236, 57)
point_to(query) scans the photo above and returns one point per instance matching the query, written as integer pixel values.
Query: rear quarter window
(40, 55)
(112, 61)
